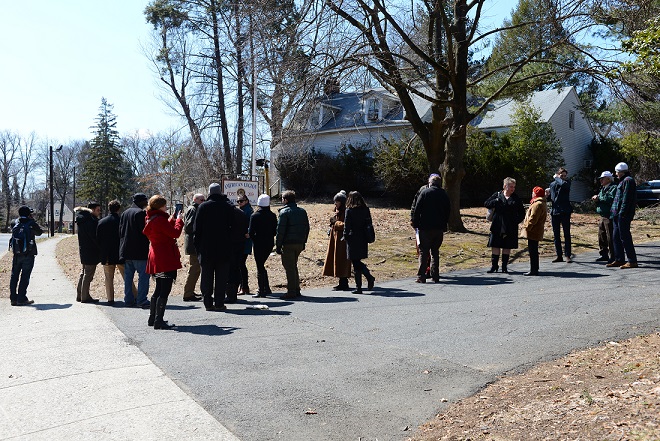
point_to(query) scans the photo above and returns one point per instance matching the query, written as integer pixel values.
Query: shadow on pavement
(570, 275)
(49, 306)
(332, 299)
(206, 329)
(256, 312)
(392, 292)
(475, 281)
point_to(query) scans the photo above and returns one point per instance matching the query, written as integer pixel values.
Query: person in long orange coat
(336, 261)
(164, 258)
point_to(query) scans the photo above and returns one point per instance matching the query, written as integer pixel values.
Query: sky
(59, 58)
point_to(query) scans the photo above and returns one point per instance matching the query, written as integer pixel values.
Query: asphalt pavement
(329, 366)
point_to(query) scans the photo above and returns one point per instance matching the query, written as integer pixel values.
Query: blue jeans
(130, 267)
(21, 267)
(562, 221)
(622, 240)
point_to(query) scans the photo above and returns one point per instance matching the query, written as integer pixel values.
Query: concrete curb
(69, 373)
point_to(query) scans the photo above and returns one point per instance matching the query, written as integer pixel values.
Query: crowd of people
(219, 237)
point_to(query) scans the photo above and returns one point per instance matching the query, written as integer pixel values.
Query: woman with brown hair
(164, 258)
(336, 260)
(358, 219)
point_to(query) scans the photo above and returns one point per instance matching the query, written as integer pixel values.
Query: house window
(315, 117)
(571, 119)
(373, 110)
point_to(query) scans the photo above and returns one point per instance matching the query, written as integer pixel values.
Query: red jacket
(162, 234)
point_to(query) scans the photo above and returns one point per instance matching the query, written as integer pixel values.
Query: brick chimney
(331, 86)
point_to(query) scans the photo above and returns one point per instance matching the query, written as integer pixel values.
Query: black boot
(533, 265)
(152, 312)
(505, 262)
(494, 258)
(159, 323)
(343, 285)
(370, 279)
(358, 283)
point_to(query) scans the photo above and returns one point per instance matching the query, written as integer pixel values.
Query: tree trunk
(222, 112)
(240, 95)
(452, 177)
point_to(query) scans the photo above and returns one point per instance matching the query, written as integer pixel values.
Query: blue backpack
(22, 238)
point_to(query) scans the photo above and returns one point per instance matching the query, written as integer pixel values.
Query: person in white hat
(623, 211)
(263, 226)
(604, 200)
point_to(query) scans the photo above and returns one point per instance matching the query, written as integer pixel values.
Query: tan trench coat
(336, 261)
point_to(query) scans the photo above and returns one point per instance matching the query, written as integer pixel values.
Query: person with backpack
(23, 244)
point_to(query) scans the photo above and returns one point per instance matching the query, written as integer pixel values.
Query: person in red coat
(164, 258)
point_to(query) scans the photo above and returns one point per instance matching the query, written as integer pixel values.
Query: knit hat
(621, 167)
(215, 189)
(606, 174)
(25, 211)
(263, 200)
(538, 192)
(341, 196)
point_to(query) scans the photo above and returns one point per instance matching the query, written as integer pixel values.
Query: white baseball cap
(606, 174)
(621, 166)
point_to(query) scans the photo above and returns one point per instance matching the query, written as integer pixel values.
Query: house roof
(500, 113)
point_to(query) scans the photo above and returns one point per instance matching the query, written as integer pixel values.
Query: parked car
(648, 193)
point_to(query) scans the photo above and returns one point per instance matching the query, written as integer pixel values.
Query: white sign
(234, 189)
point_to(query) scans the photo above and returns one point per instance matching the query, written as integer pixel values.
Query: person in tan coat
(533, 227)
(336, 260)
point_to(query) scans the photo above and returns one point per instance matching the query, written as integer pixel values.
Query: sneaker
(616, 263)
(558, 259)
(25, 303)
(629, 265)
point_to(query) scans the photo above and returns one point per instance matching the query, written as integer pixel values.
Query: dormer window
(373, 109)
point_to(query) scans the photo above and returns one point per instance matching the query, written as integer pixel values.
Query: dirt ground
(611, 392)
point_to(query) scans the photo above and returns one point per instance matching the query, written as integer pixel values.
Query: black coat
(355, 225)
(107, 234)
(560, 196)
(431, 211)
(212, 229)
(508, 214)
(239, 228)
(88, 245)
(133, 244)
(188, 226)
(263, 227)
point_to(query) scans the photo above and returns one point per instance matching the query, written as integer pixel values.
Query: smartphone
(178, 208)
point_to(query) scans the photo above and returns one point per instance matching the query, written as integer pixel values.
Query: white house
(559, 107)
(369, 117)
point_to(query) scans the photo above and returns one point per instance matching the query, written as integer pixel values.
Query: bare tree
(10, 146)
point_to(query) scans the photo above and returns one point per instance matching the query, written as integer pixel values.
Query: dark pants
(218, 271)
(622, 240)
(533, 247)
(359, 269)
(605, 245)
(84, 280)
(242, 267)
(429, 242)
(159, 298)
(290, 254)
(260, 257)
(562, 221)
(21, 267)
(234, 279)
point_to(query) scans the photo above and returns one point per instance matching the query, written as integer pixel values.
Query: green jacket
(292, 226)
(605, 199)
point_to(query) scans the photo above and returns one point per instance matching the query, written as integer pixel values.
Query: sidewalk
(68, 373)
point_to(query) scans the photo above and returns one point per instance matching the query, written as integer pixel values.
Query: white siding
(329, 142)
(575, 142)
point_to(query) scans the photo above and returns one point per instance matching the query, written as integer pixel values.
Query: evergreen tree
(104, 171)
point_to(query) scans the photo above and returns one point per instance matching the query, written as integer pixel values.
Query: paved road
(338, 366)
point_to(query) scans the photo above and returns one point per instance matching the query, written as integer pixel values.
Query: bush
(402, 166)
(303, 171)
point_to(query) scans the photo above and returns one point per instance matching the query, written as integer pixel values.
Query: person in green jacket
(290, 240)
(604, 200)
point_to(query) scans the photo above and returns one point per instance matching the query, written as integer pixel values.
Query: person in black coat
(212, 238)
(262, 230)
(430, 217)
(194, 270)
(87, 219)
(239, 231)
(134, 251)
(358, 219)
(508, 212)
(107, 234)
(23, 257)
(560, 213)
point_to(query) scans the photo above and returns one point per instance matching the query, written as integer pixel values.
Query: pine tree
(104, 168)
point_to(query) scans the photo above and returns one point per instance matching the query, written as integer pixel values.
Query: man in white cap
(623, 211)
(604, 200)
(263, 227)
